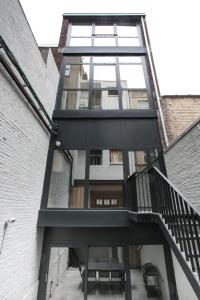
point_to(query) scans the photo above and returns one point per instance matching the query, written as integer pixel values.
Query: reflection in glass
(130, 59)
(105, 99)
(106, 165)
(82, 30)
(106, 274)
(110, 194)
(60, 182)
(75, 100)
(104, 59)
(135, 99)
(65, 273)
(104, 30)
(75, 76)
(129, 42)
(104, 42)
(105, 75)
(127, 31)
(77, 42)
(77, 59)
(132, 76)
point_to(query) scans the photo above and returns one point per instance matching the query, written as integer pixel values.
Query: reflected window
(115, 156)
(135, 99)
(95, 157)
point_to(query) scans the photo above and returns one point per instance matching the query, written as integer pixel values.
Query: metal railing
(151, 191)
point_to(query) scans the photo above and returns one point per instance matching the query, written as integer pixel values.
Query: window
(95, 157)
(106, 202)
(112, 93)
(115, 156)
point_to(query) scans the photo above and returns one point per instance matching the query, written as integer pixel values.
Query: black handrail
(153, 192)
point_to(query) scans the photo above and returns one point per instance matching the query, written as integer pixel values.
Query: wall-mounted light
(9, 221)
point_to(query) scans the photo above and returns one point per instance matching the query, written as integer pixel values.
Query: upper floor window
(99, 35)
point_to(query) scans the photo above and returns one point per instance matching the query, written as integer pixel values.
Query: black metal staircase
(156, 196)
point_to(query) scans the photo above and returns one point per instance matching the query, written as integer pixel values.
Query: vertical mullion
(87, 170)
(126, 172)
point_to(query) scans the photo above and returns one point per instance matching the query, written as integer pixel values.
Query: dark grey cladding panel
(107, 133)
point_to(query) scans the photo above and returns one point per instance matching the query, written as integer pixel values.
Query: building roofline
(104, 15)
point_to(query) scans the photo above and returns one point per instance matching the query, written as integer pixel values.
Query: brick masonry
(179, 113)
(23, 151)
(182, 162)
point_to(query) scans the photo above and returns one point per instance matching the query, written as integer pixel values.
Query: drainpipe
(154, 77)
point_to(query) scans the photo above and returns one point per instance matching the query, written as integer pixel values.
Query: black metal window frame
(86, 182)
(115, 53)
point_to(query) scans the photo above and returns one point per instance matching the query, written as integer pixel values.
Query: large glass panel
(128, 42)
(105, 41)
(132, 76)
(77, 59)
(106, 274)
(135, 99)
(105, 99)
(66, 274)
(127, 31)
(82, 30)
(104, 59)
(67, 186)
(106, 195)
(104, 76)
(77, 42)
(106, 165)
(75, 100)
(104, 30)
(130, 59)
(148, 272)
(76, 76)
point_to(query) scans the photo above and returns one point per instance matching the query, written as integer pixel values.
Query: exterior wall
(155, 255)
(57, 267)
(182, 165)
(23, 151)
(185, 291)
(179, 113)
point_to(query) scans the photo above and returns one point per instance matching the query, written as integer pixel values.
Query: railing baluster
(191, 232)
(174, 202)
(185, 223)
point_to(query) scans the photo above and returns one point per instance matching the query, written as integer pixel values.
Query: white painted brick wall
(182, 163)
(23, 150)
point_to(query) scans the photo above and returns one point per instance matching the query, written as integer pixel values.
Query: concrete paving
(69, 288)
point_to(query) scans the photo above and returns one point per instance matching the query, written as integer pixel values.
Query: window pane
(81, 30)
(66, 189)
(75, 76)
(104, 59)
(130, 59)
(105, 75)
(102, 100)
(129, 42)
(104, 30)
(106, 165)
(135, 99)
(80, 42)
(75, 100)
(77, 59)
(104, 42)
(132, 76)
(106, 192)
(127, 31)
